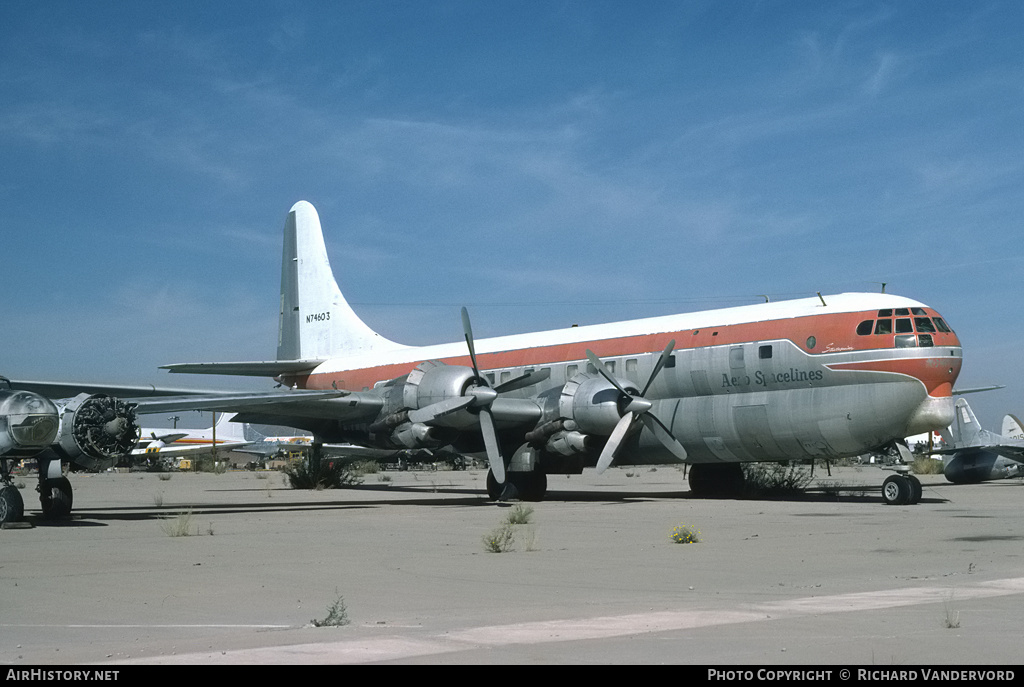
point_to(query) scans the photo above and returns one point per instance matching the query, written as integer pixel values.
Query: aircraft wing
(173, 451)
(1012, 452)
(1015, 453)
(150, 399)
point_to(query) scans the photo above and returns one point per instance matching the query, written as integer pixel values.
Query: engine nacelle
(96, 431)
(28, 423)
(433, 381)
(593, 403)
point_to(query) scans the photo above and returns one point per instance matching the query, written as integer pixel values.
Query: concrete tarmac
(831, 577)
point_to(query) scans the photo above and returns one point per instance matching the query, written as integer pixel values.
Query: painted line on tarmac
(393, 647)
(135, 626)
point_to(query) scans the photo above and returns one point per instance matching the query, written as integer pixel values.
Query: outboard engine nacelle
(96, 431)
(593, 403)
(28, 423)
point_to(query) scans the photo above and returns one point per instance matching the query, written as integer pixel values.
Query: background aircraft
(824, 377)
(976, 454)
(86, 426)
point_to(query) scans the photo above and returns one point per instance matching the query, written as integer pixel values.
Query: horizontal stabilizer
(266, 368)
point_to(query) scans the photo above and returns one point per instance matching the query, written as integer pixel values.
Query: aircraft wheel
(896, 490)
(56, 497)
(493, 488)
(716, 480)
(12, 507)
(916, 490)
(531, 485)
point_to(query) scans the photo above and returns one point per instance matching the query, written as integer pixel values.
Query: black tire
(56, 498)
(531, 485)
(896, 490)
(493, 488)
(714, 480)
(916, 490)
(12, 506)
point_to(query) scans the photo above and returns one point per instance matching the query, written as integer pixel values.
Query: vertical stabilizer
(228, 430)
(966, 429)
(1012, 428)
(316, 322)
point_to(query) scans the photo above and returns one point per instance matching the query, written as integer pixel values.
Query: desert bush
(322, 475)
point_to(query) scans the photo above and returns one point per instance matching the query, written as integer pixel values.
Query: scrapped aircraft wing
(267, 401)
(262, 368)
(1012, 452)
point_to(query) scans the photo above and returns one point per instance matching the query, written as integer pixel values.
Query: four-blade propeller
(635, 408)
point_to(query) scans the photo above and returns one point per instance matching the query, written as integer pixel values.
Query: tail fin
(228, 430)
(1012, 427)
(316, 321)
(966, 429)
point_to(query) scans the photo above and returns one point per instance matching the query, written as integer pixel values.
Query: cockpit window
(906, 341)
(924, 340)
(924, 324)
(864, 327)
(942, 326)
(887, 312)
(883, 327)
(902, 311)
(903, 326)
(918, 311)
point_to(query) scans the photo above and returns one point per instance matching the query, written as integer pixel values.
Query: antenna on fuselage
(882, 283)
(822, 299)
(766, 299)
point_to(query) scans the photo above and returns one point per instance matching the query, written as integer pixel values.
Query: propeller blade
(604, 371)
(440, 409)
(523, 381)
(490, 436)
(660, 364)
(659, 430)
(614, 441)
(468, 330)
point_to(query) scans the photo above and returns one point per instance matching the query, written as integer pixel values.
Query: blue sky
(544, 163)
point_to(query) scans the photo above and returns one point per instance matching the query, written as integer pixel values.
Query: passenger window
(764, 352)
(904, 326)
(941, 325)
(883, 327)
(924, 340)
(923, 324)
(864, 327)
(490, 377)
(906, 341)
(887, 312)
(671, 362)
(571, 370)
(506, 375)
(631, 366)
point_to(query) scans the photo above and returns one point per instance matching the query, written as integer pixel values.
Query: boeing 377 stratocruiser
(822, 377)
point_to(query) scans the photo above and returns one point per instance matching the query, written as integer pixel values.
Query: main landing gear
(901, 490)
(521, 486)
